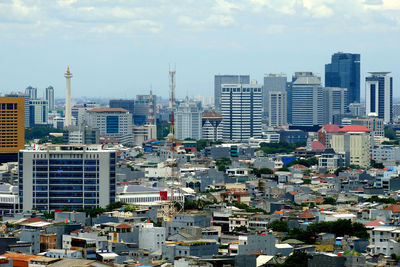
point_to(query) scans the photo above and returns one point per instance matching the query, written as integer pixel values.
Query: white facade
(68, 112)
(355, 145)
(49, 96)
(38, 112)
(113, 123)
(385, 240)
(152, 238)
(379, 95)
(241, 107)
(75, 176)
(277, 108)
(188, 121)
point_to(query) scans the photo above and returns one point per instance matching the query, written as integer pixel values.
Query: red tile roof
(123, 226)
(299, 166)
(108, 110)
(355, 128)
(395, 208)
(375, 223)
(317, 145)
(330, 128)
(306, 215)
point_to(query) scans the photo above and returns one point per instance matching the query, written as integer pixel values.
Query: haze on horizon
(121, 48)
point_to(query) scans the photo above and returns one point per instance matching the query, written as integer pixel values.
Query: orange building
(12, 127)
(20, 260)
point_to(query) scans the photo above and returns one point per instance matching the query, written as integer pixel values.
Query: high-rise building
(127, 104)
(219, 80)
(66, 176)
(241, 107)
(355, 143)
(307, 99)
(273, 82)
(31, 92)
(141, 108)
(335, 99)
(396, 111)
(188, 120)
(379, 95)
(12, 130)
(82, 134)
(211, 126)
(114, 124)
(49, 96)
(344, 72)
(38, 112)
(144, 133)
(357, 109)
(26, 105)
(277, 108)
(68, 104)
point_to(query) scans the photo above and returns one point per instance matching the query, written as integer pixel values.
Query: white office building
(73, 176)
(379, 95)
(277, 108)
(188, 120)
(307, 99)
(49, 96)
(38, 112)
(241, 108)
(114, 124)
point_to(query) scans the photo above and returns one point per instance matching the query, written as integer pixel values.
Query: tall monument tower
(68, 108)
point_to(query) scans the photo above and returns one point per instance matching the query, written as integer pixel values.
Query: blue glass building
(344, 72)
(66, 176)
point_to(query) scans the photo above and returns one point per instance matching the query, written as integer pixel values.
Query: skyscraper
(31, 92)
(379, 95)
(49, 96)
(277, 108)
(219, 80)
(307, 99)
(211, 126)
(127, 104)
(38, 112)
(344, 72)
(68, 107)
(188, 121)
(273, 82)
(335, 99)
(141, 108)
(12, 130)
(72, 176)
(241, 107)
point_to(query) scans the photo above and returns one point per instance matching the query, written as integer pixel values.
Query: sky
(121, 48)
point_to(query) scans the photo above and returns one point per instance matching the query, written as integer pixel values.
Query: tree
(201, 144)
(329, 200)
(376, 165)
(297, 259)
(222, 163)
(162, 130)
(278, 226)
(259, 172)
(390, 133)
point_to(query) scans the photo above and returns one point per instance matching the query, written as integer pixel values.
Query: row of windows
(244, 90)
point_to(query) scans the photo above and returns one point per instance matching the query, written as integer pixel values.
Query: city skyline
(123, 48)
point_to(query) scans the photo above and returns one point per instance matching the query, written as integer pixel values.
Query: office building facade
(26, 105)
(211, 126)
(335, 99)
(241, 109)
(114, 124)
(344, 72)
(127, 104)
(277, 108)
(38, 112)
(31, 92)
(188, 120)
(12, 130)
(379, 95)
(273, 82)
(141, 108)
(49, 96)
(219, 80)
(66, 176)
(82, 134)
(307, 99)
